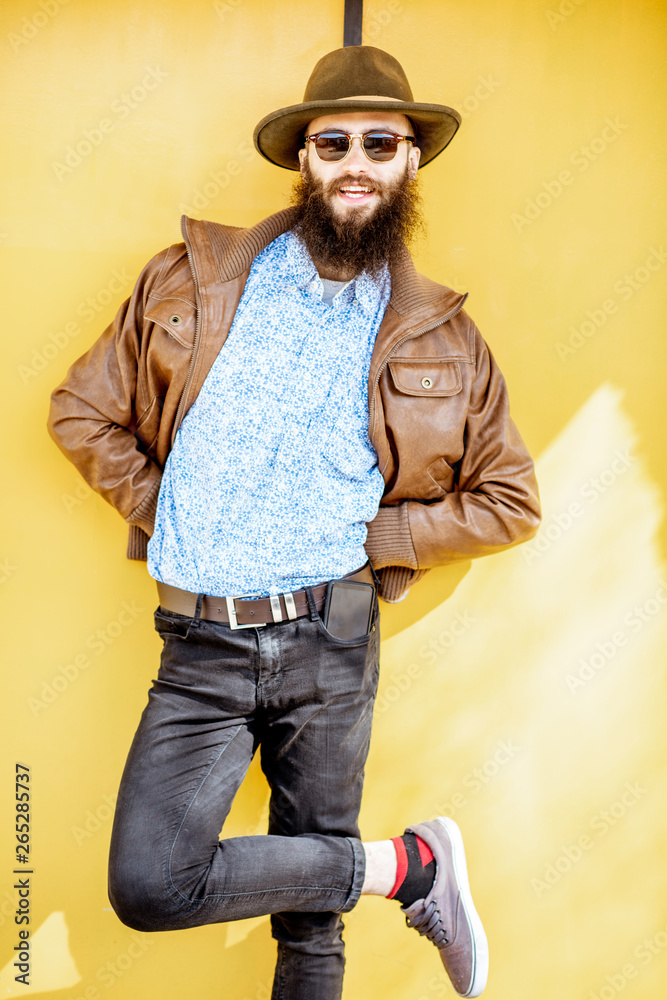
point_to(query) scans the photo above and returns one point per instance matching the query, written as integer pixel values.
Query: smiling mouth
(355, 191)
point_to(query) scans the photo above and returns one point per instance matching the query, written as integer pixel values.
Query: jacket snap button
(427, 382)
(175, 320)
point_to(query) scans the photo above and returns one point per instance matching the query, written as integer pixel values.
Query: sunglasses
(379, 146)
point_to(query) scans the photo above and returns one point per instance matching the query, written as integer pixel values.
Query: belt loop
(312, 607)
(197, 618)
(198, 609)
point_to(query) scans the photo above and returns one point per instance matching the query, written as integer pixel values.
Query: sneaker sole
(479, 941)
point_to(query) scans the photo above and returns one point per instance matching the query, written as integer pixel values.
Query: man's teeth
(356, 192)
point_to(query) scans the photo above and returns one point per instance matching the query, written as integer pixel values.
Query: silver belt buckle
(231, 612)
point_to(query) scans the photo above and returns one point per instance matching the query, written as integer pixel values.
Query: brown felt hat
(355, 78)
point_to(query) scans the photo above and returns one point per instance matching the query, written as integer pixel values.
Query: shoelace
(430, 924)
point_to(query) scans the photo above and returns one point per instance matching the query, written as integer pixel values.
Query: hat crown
(354, 70)
(358, 78)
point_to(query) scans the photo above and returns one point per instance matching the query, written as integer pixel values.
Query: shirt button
(427, 382)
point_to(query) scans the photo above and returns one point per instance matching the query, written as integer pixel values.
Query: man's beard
(357, 242)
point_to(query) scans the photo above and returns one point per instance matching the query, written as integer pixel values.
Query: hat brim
(279, 136)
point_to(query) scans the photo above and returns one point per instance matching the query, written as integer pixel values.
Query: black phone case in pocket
(348, 609)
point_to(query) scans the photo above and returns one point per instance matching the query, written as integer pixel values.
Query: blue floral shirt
(272, 476)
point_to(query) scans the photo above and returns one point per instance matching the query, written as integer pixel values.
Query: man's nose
(356, 157)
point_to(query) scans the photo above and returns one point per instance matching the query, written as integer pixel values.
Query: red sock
(415, 870)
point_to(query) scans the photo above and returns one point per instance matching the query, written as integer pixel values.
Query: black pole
(354, 15)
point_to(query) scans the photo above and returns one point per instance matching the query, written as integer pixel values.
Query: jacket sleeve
(496, 501)
(92, 412)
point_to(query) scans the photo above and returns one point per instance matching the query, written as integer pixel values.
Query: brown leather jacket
(459, 481)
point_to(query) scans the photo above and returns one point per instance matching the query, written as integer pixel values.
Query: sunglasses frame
(360, 136)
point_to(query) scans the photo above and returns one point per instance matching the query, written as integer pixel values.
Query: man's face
(353, 187)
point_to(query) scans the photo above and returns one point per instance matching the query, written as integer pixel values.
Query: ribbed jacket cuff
(143, 516)
(395, 581)
(137, 543)
(389, 542)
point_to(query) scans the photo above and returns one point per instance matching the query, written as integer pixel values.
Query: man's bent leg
(315, 734)
(168, 869)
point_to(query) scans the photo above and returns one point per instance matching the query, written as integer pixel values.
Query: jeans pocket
(355, 640)
(171, 623)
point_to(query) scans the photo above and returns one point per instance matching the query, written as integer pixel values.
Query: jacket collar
(231, 250)
(223, 253)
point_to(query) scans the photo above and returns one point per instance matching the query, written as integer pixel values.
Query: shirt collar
(367, 290)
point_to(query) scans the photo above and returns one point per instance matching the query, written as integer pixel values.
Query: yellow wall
(534, 691)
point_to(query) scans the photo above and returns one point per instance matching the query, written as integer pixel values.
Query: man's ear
(413, 162)
(303, 153)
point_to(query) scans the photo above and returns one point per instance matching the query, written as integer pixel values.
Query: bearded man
(301, 424)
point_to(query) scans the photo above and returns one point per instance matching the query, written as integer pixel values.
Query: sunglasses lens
(332, 146)
(380, 146)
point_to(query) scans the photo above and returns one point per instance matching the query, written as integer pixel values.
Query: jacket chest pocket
(169, 329)
(176, 316)
(425, 415)
(426, 377)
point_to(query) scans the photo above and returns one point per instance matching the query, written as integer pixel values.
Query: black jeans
(306, 699)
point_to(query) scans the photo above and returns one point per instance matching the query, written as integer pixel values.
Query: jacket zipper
(195, 344)
(410, 336)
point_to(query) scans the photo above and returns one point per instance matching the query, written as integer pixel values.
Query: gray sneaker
(447, 915)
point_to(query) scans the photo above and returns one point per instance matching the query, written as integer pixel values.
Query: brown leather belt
(241, 612)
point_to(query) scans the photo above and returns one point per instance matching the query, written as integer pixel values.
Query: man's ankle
(381, 867)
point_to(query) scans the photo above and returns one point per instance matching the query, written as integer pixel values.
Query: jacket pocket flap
(176, 316)
(425, 377)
